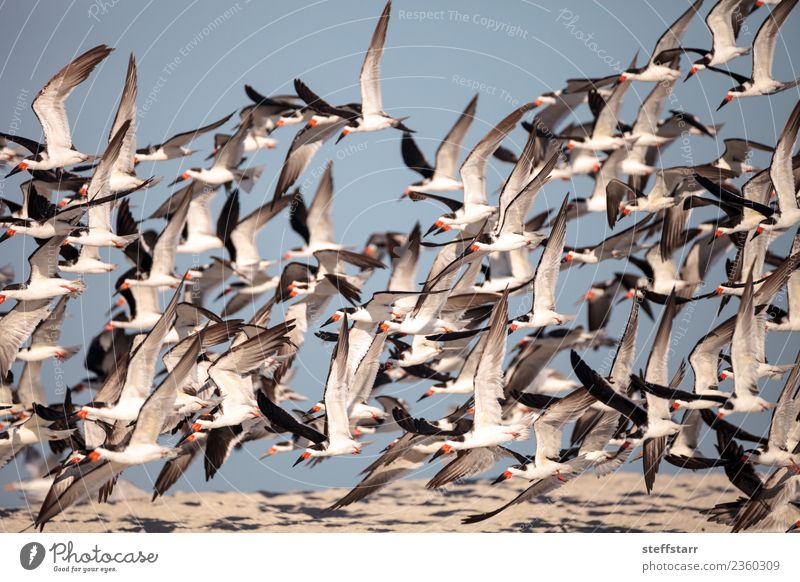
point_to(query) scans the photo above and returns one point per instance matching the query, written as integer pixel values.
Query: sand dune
(613, 504)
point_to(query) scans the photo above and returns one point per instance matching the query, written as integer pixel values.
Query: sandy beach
(614, 504)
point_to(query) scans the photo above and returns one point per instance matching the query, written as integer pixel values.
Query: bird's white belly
(216, 176)
(38, 353)
(88, 267)
(374, 123)
(120, 182)
(199, 243)
(441, 185)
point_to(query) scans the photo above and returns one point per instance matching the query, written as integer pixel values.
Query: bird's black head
(22, 166)
(338, 315)
(730, 96)
(702, 62)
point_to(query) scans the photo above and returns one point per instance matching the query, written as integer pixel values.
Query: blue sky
(194, 58)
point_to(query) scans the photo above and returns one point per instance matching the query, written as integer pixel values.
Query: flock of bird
(183, 382)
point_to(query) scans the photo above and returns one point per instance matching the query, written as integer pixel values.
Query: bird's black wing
(282, 419)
